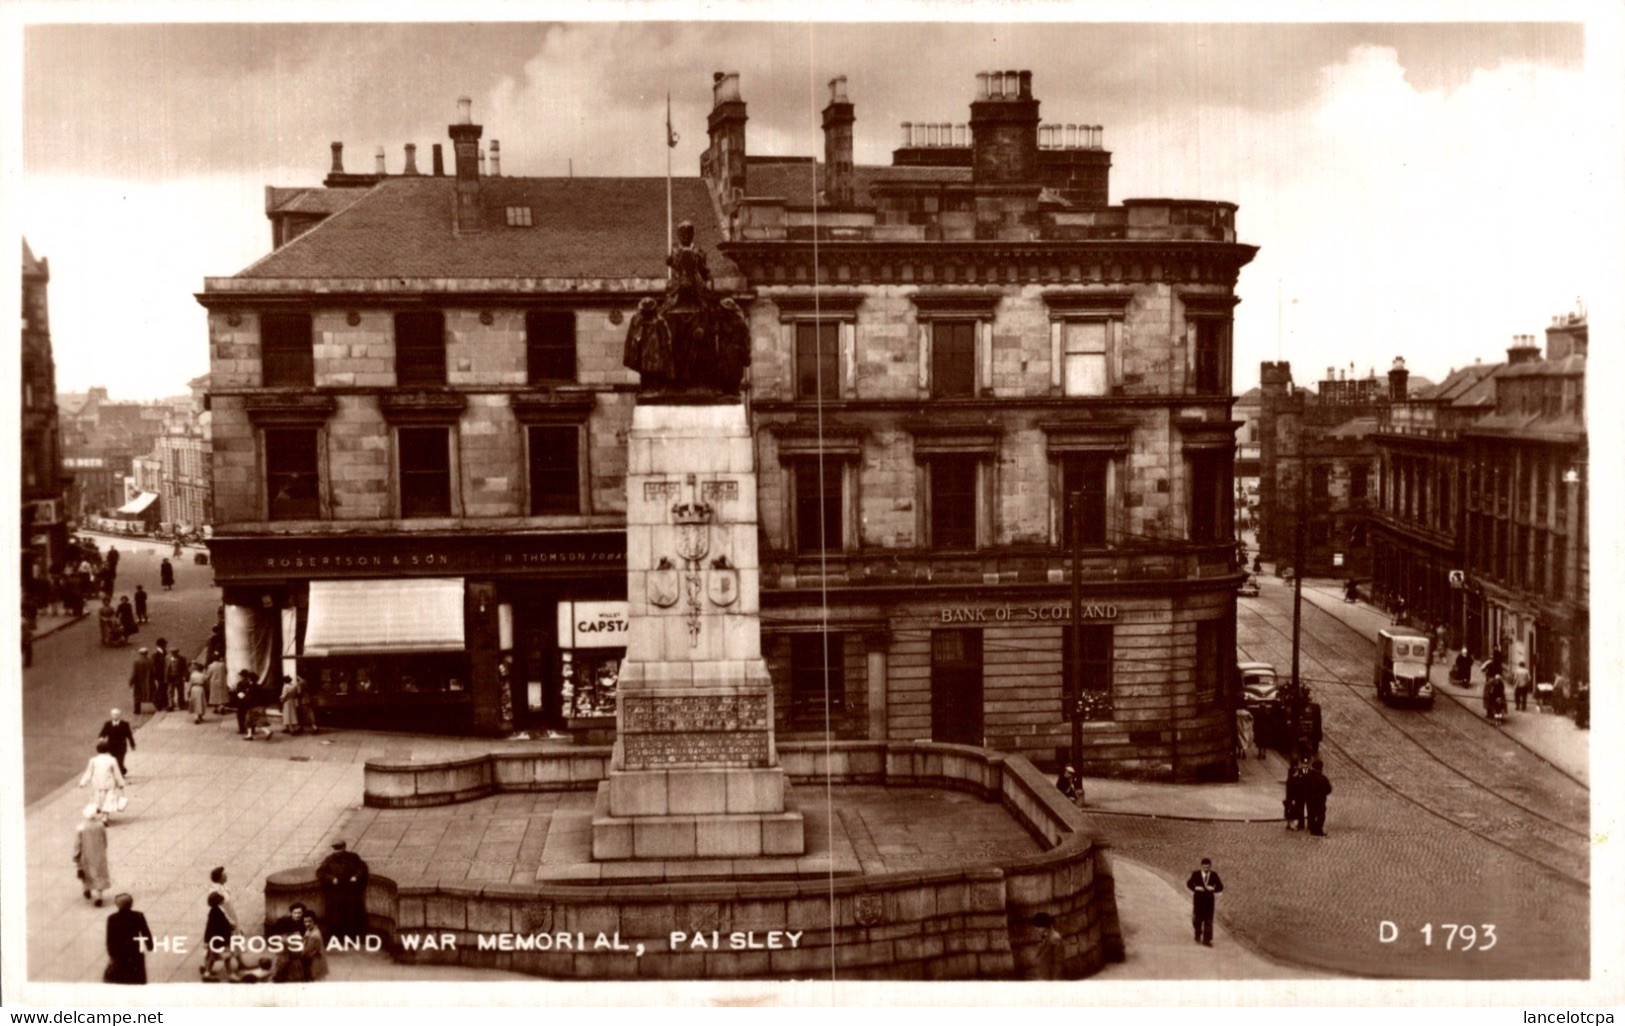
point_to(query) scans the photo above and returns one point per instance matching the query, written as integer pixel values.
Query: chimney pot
(1026, 80)
(338, 158)
(837, 89)
(981, 85)
(411, 159)
(378, 158)
(496, 159)
(908, 134)
(1012, 87)
(482, 163)
(465, 111)
(439, 162)
(725, 87)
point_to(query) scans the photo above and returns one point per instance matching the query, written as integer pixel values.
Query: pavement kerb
(64, 625)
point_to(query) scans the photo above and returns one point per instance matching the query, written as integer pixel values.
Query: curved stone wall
(955, 923)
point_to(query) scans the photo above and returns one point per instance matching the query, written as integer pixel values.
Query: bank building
(972, 377)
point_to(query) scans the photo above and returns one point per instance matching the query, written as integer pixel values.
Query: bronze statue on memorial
(693, 344)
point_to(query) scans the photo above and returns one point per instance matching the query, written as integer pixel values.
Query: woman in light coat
(103, 776)
(197, 691)
(90, 853)
(290, 706)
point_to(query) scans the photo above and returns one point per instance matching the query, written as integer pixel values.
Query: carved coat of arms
(664, 585)
(722, 583)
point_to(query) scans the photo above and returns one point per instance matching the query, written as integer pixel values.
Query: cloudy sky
(1419, 189)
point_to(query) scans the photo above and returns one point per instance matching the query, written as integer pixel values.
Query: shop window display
(365, 679)
(589, 681)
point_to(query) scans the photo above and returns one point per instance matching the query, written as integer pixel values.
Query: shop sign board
(594, 625)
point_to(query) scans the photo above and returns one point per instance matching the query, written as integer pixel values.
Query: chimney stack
(723, 163)
(439, 162)
(496, 159)
(465, 142)
(338, 158)
(378, 160)
(1004, 130)
(838, 120)
(411, 159)
(1398, 381)
(1522, 350)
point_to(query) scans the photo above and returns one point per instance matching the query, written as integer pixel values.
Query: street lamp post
(1074, 698)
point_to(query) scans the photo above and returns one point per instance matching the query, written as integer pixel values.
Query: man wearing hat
(141, 682)
(120, 739)
(343, 877)
(1204, 885)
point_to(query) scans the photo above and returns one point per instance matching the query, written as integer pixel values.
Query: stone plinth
(695, 773)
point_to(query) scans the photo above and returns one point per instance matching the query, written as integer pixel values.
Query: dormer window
(519, 217)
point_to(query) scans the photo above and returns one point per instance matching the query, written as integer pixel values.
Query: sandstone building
(419, 406)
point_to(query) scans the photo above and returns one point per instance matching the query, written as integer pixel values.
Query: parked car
(1249, 587)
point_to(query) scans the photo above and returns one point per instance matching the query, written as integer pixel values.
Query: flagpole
(668, 172)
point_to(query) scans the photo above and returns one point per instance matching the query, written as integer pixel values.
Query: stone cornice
(552, 407)
(422, 407)
(293, 409)
(992, 405)
(950, 263)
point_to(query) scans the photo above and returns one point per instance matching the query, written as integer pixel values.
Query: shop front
(448, 634)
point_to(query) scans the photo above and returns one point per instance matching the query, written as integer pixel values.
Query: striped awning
(139, 504)
(420, 614)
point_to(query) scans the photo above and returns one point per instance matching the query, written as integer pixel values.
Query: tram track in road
(1493, 797)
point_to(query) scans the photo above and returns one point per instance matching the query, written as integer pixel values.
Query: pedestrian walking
(166, 574)
(1293, 805)
(217, 885)
(1067, 783)
(242, 698)
(1522, 685)
(197, 691)
(126, 616)
(1246, 735)
(307, 710)
(112, 558)
(217, 931)
(140, 604)
(119, 737)
(105, 779)
(141, 682)
(107, 619)
(290, 705)
(178, 674)
(343, 876)
(219, 694)
(128, 941)
(90, 855)
(1204, 885)
(1050, 962)
(160, 674)
(1316, 788)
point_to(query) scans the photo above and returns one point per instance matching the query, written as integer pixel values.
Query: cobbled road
(1436, 818)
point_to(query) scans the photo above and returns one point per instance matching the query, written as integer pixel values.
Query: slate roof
(792, 179)
(312, 201)
(581, 228)
(1469, 386)
(1568, 366)
(31, 264)
(1354, 427)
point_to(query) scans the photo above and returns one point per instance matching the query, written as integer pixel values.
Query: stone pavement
(1554, 738)
(201, 797)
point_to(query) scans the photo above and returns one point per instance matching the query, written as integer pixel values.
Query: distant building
(104, 437)
(44, 507)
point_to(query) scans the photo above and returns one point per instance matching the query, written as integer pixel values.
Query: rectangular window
(519, 217)
(953, 502)
(1095, 699)
(292, 477)
(1084, 475)
(1083, 358)
(425, 460)
(817, 678)
(420, 349)
(555, 470)
(1320, 482)
(953, 359)
(550, 345)
(818, 364)
(819, 505)
(1358, 483)
(1209, 489)
(1212, 356)
(285, 351)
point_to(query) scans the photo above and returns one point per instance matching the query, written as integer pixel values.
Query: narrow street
(74, 680)
(1437, 818)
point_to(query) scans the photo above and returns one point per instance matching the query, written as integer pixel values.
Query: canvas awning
(139, 504)
(420, 614)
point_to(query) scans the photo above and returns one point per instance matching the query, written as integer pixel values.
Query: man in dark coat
(126, 616)
(140, 604)
(166, 575)
(128, 941)
(244, 696)
(343, 877)
(1204, 885)
(141, 682)
(119, 737)
(160, 674)
(176, 675)
(1315, 790)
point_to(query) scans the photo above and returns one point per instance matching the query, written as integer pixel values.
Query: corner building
(946, 350)
(419, 419)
